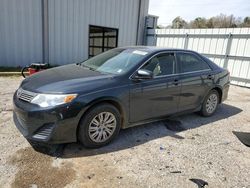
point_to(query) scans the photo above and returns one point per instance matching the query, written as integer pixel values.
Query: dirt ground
(163, 154)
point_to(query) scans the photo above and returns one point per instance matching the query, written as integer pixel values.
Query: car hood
(67, 79)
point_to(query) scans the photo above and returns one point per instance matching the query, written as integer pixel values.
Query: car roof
(152, 49)
(155, 49)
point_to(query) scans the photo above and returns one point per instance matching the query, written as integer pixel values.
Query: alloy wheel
(211, 104)
(102, 127)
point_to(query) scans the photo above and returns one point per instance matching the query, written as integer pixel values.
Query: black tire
(83, 131)
(204, 111)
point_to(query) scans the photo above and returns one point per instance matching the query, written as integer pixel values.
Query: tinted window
(189, 63)
(161, 65)
(116, 61)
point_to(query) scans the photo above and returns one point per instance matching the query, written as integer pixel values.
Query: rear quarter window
(188, 62)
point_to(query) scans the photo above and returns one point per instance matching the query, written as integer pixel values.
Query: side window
(161, 65)
(189, 63)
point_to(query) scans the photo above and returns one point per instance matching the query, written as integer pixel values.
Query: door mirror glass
(144, 74)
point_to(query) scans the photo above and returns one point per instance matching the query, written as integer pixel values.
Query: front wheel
(210, 103)
(99, 126)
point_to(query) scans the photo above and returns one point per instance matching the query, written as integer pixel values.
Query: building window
(101, 39)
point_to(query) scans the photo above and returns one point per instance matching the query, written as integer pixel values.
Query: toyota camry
(91, 101)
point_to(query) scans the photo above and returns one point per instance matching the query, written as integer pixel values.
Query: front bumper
(49, 125)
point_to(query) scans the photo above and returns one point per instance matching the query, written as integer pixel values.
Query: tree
(210, 23)
(219, 21)
(179, 23)
(224, 21)
(199, 23)
(246, 22)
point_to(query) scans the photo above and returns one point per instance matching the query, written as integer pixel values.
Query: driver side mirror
(143, 74)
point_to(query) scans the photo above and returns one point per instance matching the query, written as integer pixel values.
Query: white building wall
(21, 33)
(69, 25)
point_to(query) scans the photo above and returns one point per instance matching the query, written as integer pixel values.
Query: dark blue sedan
(123, 87)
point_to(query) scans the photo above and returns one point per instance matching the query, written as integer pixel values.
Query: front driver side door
(158, 96)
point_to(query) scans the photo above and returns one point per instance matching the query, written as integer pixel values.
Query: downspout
(138, 23)
(45, 30)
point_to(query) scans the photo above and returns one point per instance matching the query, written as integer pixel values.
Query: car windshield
(117, 61)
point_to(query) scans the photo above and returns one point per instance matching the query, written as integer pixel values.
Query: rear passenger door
(195, 78)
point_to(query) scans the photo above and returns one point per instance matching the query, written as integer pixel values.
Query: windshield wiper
(90, 68)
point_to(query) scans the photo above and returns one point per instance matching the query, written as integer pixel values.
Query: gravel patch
(162, 154)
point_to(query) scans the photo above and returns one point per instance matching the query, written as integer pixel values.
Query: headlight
(47, 100)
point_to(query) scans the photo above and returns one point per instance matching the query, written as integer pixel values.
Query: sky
(167, 10)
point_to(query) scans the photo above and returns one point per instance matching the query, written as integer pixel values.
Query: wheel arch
(219, 90)
(108, 100)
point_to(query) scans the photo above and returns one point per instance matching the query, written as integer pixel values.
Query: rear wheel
(210, 103)
(99, 126)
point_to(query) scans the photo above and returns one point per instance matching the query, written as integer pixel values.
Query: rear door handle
(210, 77)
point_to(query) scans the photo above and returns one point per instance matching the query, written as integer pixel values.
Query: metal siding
(20, 32)
(141, 24)
(21, 28)
(217, 47)
(69, 25)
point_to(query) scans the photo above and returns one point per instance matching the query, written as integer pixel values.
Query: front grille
(44, 132)
(25, 95)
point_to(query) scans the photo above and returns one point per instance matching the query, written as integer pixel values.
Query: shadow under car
(134, 136)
